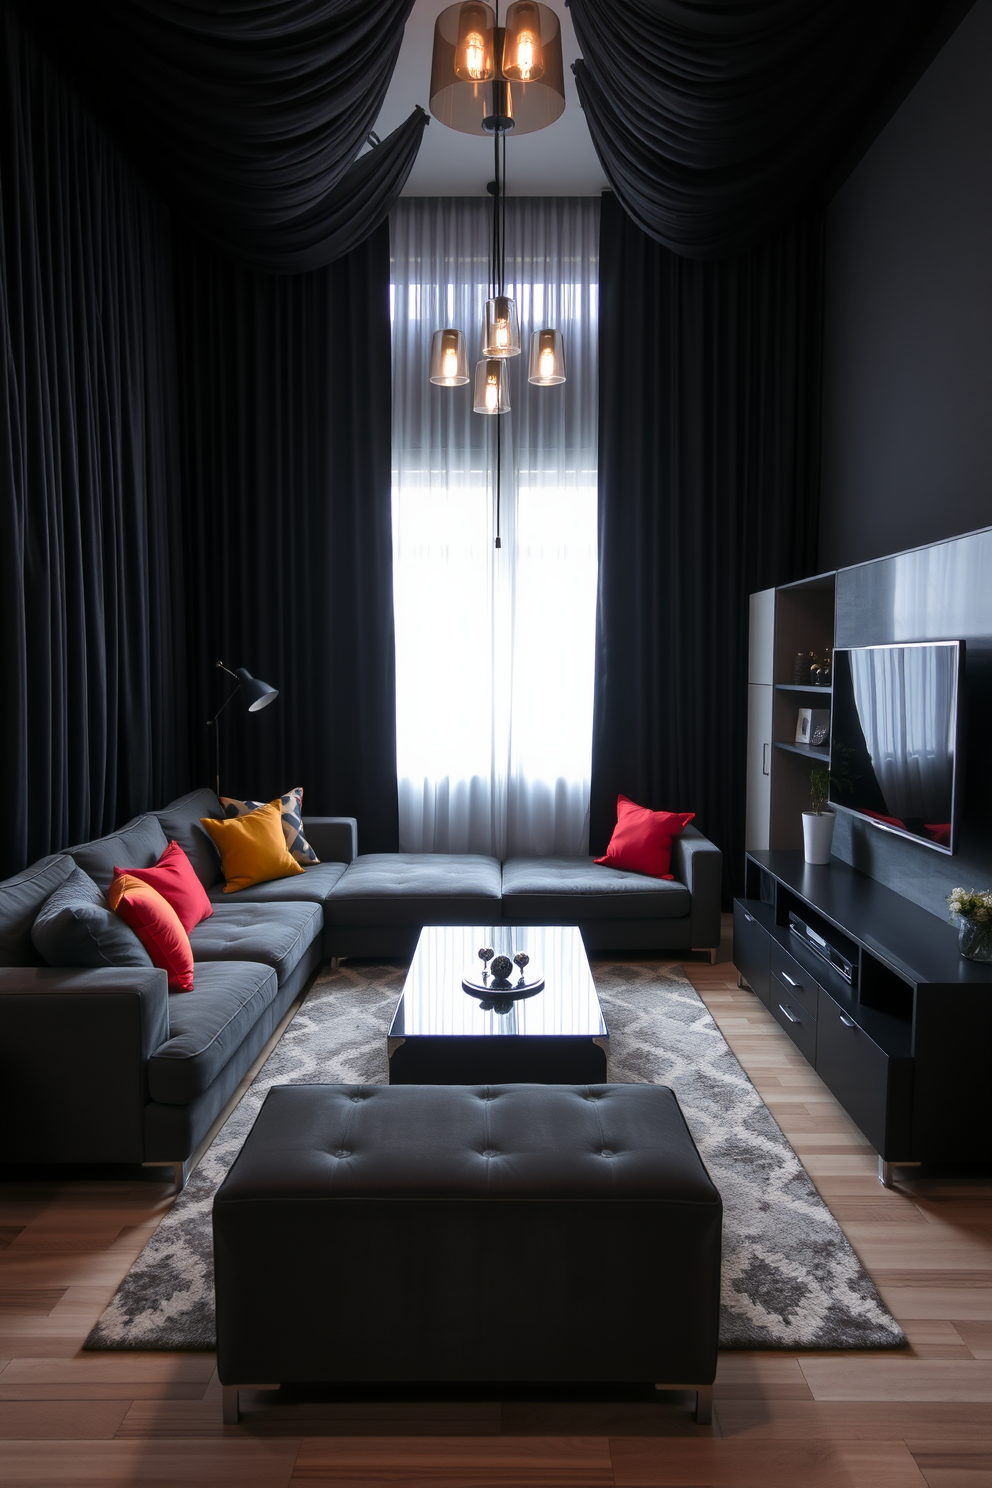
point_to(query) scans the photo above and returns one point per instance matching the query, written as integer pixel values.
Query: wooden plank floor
(842, 1420)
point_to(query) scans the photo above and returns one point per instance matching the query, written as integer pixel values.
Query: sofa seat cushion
(278, 935)
(417, 889)
(312, 886)
(207, 1025)
(180, 822)
(139, 844)
(538, 891)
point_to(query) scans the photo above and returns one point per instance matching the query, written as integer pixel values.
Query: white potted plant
(818, 823)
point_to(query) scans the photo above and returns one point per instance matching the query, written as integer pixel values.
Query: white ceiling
(557, 161)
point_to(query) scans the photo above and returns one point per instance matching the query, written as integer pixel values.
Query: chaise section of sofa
(619, 910)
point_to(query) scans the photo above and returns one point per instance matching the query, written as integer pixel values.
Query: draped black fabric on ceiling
(286, 468)
(715, 123)
(708, 478)
(91, 615)
(249, 116)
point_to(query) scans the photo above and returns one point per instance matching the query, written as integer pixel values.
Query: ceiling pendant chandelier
(492, 79)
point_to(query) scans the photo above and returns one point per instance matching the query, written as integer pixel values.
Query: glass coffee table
(442, 1034)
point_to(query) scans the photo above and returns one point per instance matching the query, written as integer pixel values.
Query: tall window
(494, 647)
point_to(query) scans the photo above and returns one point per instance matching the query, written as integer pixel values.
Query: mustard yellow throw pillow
(252, 848)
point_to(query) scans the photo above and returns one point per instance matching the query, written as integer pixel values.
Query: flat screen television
(894, 738)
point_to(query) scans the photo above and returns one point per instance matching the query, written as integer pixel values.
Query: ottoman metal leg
(704, 1401)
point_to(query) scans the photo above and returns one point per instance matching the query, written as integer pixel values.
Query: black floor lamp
(256, 695)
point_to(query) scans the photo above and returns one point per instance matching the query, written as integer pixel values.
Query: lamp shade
(492, 386)
(500, 331)
(547, 358)
(449, 360)
(475, 35)
(257, 694)
(521, 82)
(523, 47)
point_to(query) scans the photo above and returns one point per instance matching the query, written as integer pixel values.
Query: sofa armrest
(74, 1049)
(333, 838)
(698, 864)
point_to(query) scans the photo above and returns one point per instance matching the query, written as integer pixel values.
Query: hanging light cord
(498, 280)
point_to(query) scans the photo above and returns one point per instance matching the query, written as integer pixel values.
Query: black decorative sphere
(486, 954)
(502, 1005)
(501, 967)
(521, 959)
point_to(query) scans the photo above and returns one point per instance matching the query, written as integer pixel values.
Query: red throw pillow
(157, 926)
(642, 839)
(175, 878)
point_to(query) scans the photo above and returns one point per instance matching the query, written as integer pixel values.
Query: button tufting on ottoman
(512, 1233)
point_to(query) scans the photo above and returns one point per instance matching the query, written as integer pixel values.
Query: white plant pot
(818, 834)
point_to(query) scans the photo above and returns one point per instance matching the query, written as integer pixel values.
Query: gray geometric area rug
(790, 1277)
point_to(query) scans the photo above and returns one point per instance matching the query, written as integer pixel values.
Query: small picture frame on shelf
(813, 726)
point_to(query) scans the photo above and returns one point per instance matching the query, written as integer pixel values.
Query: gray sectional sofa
(105, 1065)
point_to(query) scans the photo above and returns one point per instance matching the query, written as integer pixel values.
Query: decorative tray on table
(497, 984)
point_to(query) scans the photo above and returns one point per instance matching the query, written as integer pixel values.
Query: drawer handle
(749, 918)
(847, 1022)
(790, 1015)
(786, 978)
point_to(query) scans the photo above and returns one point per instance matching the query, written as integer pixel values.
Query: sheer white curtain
(494, 647)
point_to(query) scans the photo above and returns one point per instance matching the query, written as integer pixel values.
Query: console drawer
(752, 946)
(796, 1019)
(795, 980)
(875, 1088)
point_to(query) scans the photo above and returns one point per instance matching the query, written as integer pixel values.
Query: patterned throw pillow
(291, 810)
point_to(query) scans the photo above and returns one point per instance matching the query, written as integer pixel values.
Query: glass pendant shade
(492, 386)
(511, 76)
(547, 358)
(449, 360)
(500, 332)
(474, 48)
(523, 50)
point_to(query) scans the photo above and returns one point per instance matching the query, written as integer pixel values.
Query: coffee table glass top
(434, 1004)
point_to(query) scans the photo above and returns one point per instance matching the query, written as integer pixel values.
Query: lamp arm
(224, 704)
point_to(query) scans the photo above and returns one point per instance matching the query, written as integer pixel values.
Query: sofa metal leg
(232, 1414)
(180, 1172)
(887, 1171)
(335, 963)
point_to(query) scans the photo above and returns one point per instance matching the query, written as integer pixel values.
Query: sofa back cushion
(74, 927)
(21, 897)
(139, 844)
(180, 822)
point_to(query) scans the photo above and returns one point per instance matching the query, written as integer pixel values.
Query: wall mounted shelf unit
(796, 617)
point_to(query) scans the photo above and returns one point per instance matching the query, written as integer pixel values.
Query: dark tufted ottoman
(513, 1233)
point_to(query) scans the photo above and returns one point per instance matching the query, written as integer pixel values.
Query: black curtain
(708, 476)
(248, 117)
(716, 123)
(91, 613)
(286, 472)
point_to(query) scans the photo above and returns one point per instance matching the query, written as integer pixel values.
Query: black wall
(907, 400)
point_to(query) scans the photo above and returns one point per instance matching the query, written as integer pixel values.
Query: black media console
(873, 992)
